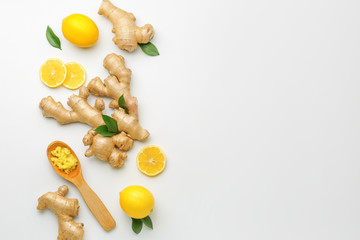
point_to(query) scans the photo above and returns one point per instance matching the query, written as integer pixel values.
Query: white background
(256, 104)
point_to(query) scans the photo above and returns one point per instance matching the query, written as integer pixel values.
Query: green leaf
(103, 130)
(149, 49)
(136, 225)
(122, 104)
(147, 221)
(111, 124)
(52, 38)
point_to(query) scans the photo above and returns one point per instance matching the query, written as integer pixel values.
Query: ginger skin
(65, 209)
(104, 147)
(127, 34)
(84, 113)
(130, 125)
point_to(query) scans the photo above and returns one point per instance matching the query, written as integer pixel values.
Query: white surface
(256, 104)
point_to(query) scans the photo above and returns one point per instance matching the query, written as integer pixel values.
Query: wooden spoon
(94, 203)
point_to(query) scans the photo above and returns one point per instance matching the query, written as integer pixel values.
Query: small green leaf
(149, 49)
(147, 221)
(52, 38)
(103, 130)
(111, 124)
(122, 104)
(136, 225)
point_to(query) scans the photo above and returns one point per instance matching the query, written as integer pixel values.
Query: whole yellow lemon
(136, 201)
(80, 30)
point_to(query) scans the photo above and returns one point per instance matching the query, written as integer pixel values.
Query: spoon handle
(96, 206)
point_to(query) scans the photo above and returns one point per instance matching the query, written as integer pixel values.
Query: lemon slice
(151, 160)
(75, 77)
(53, 72)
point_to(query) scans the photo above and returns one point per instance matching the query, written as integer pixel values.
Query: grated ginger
(63, 159)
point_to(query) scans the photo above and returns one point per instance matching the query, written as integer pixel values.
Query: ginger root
(82, 111)
(127, 34)
(104, 147)
(65, 209)
(117, 84)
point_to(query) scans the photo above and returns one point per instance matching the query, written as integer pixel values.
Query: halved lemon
(75, 77)
(53, 72)
(151, 160)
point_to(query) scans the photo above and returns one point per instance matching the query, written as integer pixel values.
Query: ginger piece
(104, 147)
(117, 84)
(82, 111)
(65, 209)
(127, 34)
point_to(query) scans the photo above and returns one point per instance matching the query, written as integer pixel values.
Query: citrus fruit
(80, 30)
(53, 72)
(151, 160)
(75, 76)
(136, 201)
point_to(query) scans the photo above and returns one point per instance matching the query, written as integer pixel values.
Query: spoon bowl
(63, 174)
(94, 203)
